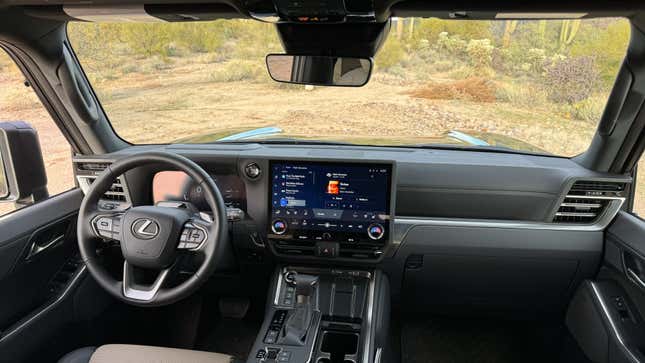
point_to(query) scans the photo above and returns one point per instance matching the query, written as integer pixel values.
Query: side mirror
(22, 179)
(319, 70)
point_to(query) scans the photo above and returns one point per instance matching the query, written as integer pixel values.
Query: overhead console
(331, 210)
(312, 11)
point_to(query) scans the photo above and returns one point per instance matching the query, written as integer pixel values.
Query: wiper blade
(489, 148)
(286, 141)
(251, 134)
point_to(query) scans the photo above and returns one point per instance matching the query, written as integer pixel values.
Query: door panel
(606, 315)
(38, 260)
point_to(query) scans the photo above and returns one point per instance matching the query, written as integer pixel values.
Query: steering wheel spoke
(107, 225)
(141, 292)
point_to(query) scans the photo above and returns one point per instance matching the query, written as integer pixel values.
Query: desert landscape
(200, 82)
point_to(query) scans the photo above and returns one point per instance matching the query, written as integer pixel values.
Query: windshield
(534, 86)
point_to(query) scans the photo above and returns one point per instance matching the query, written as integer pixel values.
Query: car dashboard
(430, 219)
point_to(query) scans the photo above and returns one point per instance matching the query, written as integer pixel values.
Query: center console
(326, 212)
(324, 315)
(330, 210)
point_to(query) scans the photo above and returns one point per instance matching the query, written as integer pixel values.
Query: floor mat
(443, 340)
(231, 336)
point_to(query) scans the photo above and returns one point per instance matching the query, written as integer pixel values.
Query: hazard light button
(327, 249)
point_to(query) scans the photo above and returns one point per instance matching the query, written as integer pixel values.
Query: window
(639, 192)
(19, 103)
(526, 85)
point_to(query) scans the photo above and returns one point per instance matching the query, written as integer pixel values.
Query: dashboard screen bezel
(390, 197)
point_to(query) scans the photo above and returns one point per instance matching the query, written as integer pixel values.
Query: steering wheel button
(181, 246)
(192, 245)
(104, 224)
(105, 234)
(196, 235)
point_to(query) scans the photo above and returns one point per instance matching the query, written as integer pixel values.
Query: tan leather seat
(125, 353)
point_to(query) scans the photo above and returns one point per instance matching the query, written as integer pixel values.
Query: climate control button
(279, 226)
(375, 231)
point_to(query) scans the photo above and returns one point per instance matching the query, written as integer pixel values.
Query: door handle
(48, 237)
(37, 247)
(632, 275)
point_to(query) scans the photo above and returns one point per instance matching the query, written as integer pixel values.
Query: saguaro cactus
(568, 32)
(509, 29)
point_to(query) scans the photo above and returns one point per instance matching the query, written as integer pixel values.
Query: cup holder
(340, 346)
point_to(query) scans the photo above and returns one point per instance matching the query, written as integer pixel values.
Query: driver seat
(125, 353)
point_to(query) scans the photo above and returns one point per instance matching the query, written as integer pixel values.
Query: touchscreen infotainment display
(330, 201)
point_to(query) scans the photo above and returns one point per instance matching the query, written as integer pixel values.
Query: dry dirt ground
(186, 103)
(181, 101)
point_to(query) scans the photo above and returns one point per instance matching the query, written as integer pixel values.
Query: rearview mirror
(22, 179)
(319, 70)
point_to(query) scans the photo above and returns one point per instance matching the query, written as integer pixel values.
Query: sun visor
(120, 13)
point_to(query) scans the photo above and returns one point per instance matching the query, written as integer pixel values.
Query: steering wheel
(152, 237)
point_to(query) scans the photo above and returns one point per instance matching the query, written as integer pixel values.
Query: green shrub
(590, 109)
(480, 53)
(536, 58)
(199, 38)
(430, 29)
(444, 65)
(452, 45)
(238, 70)
(501, 60)
(130, 68)
(463, 72)
(391, 54)
(521, 94)
(571, 80)
(469, 29)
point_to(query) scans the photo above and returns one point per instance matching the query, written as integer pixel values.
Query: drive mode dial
(375, 231)
(279, 226)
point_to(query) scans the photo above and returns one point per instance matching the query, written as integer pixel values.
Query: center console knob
(279, 226)
(375, 231)
(252, 170)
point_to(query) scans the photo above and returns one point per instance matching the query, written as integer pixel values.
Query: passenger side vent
(596, 187)
(588, 200)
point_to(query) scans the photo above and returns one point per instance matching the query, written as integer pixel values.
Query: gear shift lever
(299, 320)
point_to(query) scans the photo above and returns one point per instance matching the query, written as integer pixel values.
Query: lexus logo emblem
(144, 228)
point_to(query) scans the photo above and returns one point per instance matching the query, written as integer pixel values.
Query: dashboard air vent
(588, 200)
(88, 171)
(584, 187)
(116, 192)
(92, 166)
